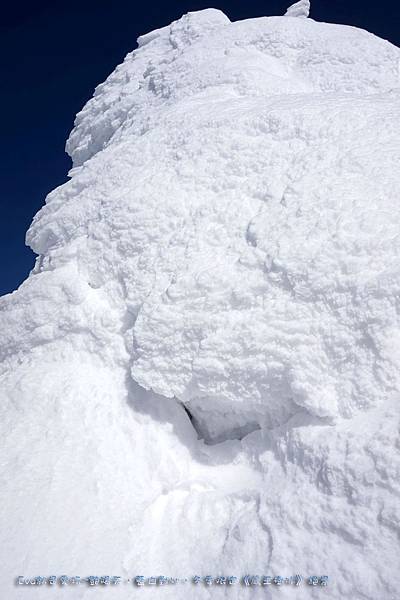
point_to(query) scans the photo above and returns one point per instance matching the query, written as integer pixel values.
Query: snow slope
(229, 241)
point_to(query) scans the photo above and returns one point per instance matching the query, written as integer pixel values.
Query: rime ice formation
(227, 248)
(299, 9)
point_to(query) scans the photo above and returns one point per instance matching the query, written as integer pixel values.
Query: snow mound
(204, 52)
(299, 9)
(228, 242)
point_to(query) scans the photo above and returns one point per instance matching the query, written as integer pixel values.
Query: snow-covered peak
(204, 51)
(299, 9)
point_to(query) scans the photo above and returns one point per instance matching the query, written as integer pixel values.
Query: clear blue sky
(54, 54)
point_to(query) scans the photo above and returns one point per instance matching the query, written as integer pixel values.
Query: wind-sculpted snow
(203, 54)
(229, 239)
(299, 9)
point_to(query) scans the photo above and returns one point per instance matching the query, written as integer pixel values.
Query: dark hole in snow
(218, 434)
(189, 414)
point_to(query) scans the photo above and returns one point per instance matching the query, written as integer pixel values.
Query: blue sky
(52, 57)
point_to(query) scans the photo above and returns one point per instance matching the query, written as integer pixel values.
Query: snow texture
(228, 242)
(299, 9)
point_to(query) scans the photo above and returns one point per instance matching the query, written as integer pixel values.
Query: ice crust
(228, 240)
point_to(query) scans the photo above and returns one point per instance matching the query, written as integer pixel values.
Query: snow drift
(227, 248)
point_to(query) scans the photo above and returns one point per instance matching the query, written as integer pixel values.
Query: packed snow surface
(226, 249)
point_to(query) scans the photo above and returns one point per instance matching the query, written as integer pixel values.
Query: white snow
(229, 239)
(299, 9)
